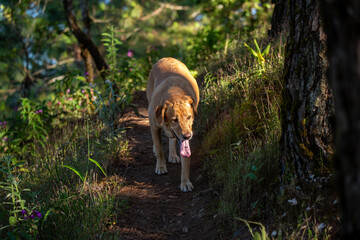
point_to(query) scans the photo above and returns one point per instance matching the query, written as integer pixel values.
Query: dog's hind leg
(173, 157)
(159, 153)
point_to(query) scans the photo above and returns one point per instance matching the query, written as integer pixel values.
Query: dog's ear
(160, 112)
(194, 109)
(190, 101)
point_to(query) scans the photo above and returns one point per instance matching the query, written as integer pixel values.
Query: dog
(173, 97)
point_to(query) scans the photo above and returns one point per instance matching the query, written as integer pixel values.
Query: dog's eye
(175, 120)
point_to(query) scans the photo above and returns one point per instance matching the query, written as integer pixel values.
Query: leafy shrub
(240, 112)
(22, 221)
(202, 47)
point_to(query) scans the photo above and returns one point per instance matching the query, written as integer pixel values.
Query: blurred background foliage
(54, 112)
(38, 47)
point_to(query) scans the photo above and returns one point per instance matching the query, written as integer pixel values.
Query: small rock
(185, 229)
(321, 226)
(293, 201)
(273, 233)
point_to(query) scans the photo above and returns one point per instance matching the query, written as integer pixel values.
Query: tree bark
(280, 18)
(84, 40)
(342, 25)
(307, 100)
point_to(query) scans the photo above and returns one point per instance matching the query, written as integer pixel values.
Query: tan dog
(173, 97)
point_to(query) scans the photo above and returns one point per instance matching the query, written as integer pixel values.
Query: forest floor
(157, 209)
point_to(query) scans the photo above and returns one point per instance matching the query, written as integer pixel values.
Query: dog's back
(169, 72)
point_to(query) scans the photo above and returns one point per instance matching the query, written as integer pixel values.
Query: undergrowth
(240, 121)
(74, 208)
(57, 156)
(240, 118)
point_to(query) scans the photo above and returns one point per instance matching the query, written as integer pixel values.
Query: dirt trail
(157, 207)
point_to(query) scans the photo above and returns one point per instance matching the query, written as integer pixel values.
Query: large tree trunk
(84, 40)
(307, 100)
(342, 25)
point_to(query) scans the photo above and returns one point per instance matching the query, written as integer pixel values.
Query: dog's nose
(187, 135)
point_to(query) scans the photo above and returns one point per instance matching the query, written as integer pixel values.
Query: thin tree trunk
(342, 25)
(84, 51)
(84, 40)
(307, 100)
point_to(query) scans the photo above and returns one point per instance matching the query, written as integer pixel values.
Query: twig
(162, 6)
(53, 66)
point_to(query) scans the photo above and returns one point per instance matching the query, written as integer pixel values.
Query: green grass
(74, 209)
(240, 120)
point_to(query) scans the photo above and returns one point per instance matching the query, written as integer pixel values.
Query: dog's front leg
(159, 153)
(173, 157)
(186, 185)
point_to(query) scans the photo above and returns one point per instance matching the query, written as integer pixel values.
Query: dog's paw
(186, 187)
(161, 170)
(174, 159)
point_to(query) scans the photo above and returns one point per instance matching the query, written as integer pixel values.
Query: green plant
(35, 129)
(127, 72)
(72, 98)
(109, 104)
(203, 46)
(81, 176)
(11, 185)
(27, 132)
(81, 216)
(258, 54)
(22, 222)
(111, 43)
(257, 235)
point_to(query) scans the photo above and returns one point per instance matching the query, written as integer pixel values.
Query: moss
(307, 151)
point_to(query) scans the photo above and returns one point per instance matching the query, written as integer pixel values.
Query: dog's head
(178, 116)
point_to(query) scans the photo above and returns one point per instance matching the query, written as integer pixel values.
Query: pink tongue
(185, 148)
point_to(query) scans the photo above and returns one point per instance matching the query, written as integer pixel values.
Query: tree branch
(84, 40)
(52, 66)
(162, 7)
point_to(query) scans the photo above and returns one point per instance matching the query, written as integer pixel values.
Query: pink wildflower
(130, 53)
